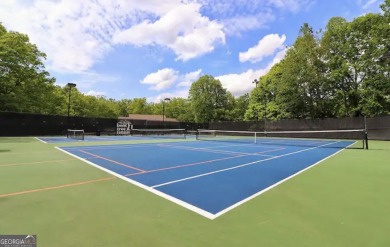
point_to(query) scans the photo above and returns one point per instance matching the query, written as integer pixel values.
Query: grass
(342, 202)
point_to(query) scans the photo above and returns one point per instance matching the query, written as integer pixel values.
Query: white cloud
(74, 34)
(183, 29)
(229, 8)
(239, 84)
(245, 15)
(87, 80)
(238, 24)
(162, 79)
(189, 78)
(165, 78)
(367, 4)
(278, 57)
(96, 94)
(77, 34)
(290, 5)
(267, 46)
(175, 94)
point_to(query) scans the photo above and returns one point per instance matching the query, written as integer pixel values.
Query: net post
(365, 132)
(365, 139)
(255, 137)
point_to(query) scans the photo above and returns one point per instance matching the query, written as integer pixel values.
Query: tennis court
(209, 177)
(137, 134)
(47, 192)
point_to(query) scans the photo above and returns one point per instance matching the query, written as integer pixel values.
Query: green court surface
(344, 201)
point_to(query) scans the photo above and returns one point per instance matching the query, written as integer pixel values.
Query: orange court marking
(113, 161)
(37, 162)
(185, 165)
(199, 163)
(55, 187)
(33, 152)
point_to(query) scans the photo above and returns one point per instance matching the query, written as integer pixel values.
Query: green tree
(241, 106)
(304, 90)
(56, 102)
(353, 51)
(256, 110)
(209, 100)
(24, 83)
(296, 87)
(269, 100)
(123, 106)
(179, 108)
(140, 106)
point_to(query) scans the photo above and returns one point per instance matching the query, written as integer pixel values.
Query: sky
(127, 49)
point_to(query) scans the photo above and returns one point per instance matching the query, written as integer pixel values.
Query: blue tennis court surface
(87, 138)
(209, 178)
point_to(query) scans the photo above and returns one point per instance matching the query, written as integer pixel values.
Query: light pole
(265, 97)
(70, 85)
(255, 81)
(265, 112)
(166, 99)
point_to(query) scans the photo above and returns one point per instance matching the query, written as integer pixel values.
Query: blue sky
(157, 48)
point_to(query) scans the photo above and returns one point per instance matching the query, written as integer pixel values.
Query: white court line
(239, 166)
(124, 146)
(193, 164)
(94, 138)
(274, 185)
(40, 140)
(190, 206)
(154, 191)
(215, 151)
(290, 142)
(238, 145)
(214, 216)
(135, 145)
(114, 146)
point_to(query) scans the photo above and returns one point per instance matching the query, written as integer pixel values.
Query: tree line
(340, 71)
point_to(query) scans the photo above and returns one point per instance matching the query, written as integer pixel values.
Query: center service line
(239, 166)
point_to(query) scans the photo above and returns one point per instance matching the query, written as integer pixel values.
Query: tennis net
(75, 134)
(160, 133)
(325, 138)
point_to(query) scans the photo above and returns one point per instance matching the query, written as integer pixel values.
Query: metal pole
(265, 118)
(70, 92)
(70, 85)
(164, 113)
(365, 133)
(166, 99)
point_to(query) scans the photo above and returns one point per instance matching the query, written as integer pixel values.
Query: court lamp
(70, 85)
(165, 100)
(255, 81)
